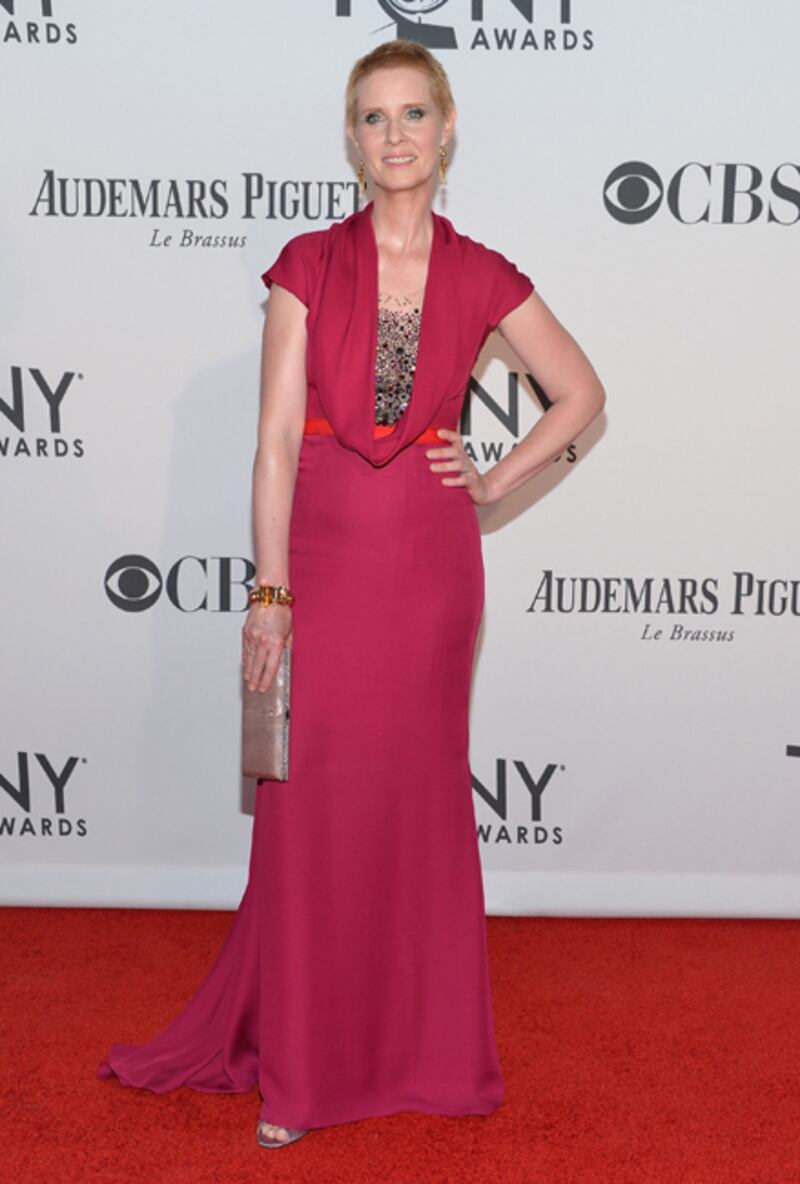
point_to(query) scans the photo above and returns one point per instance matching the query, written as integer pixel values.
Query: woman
(354, 979)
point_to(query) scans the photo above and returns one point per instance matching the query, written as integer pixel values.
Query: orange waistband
(324, 427)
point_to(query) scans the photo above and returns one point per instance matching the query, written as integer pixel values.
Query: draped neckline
(346, 334)
(374, 299)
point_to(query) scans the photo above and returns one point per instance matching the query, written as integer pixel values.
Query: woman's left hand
(453, 459)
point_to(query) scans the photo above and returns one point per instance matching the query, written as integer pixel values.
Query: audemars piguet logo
(34, 22)
(200, 203)
(691, 598)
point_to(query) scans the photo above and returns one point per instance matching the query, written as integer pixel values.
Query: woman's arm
(549, 352)
(280, 434)
(577, 396)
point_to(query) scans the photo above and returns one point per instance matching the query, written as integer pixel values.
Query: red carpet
(634, 1051)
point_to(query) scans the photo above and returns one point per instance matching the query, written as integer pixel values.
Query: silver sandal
(292, 1132)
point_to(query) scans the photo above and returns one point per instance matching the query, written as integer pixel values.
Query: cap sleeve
(508, 288)
(290, 270)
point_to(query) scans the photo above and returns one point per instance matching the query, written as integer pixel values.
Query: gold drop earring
(362, 182)
(442, 172)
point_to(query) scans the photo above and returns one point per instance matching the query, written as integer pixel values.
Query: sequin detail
(399, 319)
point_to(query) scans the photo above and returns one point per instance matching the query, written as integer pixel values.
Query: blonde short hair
(400, 52)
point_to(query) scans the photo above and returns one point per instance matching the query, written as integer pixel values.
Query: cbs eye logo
(192, 584)
(133, 583)
(726, 193)
(633, 192)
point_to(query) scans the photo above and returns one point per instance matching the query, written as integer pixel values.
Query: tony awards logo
(32, 22)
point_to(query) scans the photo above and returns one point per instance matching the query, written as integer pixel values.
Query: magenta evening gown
(354, 980)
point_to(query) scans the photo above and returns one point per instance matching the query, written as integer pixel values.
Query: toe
(271, 1130)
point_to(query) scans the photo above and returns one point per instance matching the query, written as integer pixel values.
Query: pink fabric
(469, 289)
(354, 979)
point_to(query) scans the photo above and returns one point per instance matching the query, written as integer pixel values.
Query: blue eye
(415, 111)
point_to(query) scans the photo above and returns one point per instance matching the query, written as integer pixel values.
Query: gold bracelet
(270, 594)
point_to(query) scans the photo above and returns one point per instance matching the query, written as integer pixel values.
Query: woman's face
(399, 127)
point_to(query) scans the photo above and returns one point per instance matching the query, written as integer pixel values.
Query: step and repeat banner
(635, 718)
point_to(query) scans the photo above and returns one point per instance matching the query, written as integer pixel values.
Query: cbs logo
(133, 583)
(729, 193)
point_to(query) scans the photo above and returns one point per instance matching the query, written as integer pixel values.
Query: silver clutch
(265, 725)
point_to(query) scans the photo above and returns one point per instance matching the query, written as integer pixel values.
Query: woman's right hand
(267, 629)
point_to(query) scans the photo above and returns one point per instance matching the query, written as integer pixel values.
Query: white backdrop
(640, 163)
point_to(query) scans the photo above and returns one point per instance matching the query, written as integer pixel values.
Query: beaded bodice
(399, 320)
